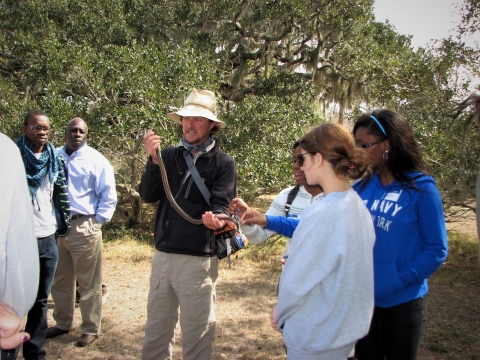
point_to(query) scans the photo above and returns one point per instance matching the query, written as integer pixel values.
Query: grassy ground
(453, 325)
(247, 292)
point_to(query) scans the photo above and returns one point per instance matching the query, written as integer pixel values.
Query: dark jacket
(173, 234)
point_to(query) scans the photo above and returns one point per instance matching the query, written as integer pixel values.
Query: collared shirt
(91, 183)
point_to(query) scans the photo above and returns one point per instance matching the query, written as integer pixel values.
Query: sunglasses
(301, 158)
(37, 129)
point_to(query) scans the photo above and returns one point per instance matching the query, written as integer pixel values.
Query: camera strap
(196, 176)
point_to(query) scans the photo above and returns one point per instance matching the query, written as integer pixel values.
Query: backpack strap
(291, 196)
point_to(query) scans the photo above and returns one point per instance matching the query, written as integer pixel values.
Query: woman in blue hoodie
(411, 239)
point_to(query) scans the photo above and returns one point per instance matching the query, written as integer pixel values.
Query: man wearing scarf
(184, 266)
(47, 185)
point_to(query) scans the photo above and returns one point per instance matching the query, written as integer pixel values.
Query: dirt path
(245, 297)
(467, 225)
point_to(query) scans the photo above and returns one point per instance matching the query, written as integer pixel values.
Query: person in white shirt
(45, 174)
(302, 195)
(91, 185)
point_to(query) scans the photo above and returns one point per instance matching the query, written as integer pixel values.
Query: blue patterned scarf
(203, 147)
(37, 169)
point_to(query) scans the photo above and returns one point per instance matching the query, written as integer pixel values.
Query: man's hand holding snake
(151, 142)
(212, 222)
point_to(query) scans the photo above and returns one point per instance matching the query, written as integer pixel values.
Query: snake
(168, 192)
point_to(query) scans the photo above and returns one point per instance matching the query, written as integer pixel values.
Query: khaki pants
(79, 259)
(185, 282)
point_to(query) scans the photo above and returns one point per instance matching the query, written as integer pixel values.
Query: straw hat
(198, 103)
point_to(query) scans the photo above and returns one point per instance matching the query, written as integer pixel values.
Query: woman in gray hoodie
(325, 299)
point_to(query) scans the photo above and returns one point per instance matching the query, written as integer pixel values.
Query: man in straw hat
(184, 268)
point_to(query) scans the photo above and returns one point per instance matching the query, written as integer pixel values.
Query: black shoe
(55, 331)
(86, 339)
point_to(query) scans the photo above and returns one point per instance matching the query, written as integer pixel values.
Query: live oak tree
(279, 67)
(277, 47)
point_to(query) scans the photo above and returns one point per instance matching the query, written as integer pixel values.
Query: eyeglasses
(370, 144)
(37, 129)
(301, 159)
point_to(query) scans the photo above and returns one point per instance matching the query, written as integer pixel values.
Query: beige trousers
(185, 282)
(79, 259)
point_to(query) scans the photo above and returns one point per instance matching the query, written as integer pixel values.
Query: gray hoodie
(325, 300)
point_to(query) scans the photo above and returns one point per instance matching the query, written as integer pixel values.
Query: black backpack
(291, 196)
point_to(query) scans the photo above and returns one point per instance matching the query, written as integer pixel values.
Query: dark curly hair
(404, 154)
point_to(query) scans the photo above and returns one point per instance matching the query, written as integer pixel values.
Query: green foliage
(432, 103)
(470, 12)
(81, 60)
(259, 136)
(274, 66)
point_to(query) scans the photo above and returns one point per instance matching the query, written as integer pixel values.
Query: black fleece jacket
(173, 234)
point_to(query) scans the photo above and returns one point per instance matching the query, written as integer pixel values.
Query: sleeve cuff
(100, 220)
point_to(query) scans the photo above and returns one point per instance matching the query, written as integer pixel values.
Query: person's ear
(386, 145)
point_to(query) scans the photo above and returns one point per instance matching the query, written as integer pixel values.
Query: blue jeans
(37, 324)
(395, 332)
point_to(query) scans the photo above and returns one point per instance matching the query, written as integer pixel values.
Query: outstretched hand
(237, 206)
(10, 328)
(254, 217)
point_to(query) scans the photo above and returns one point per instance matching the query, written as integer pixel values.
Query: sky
(424, 19)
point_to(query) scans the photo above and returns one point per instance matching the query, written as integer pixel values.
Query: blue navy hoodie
(411, 237)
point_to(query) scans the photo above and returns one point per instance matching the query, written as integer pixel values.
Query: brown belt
(78, 216)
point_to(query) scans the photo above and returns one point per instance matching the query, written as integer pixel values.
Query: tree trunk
(136, 216)
(341, 117)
